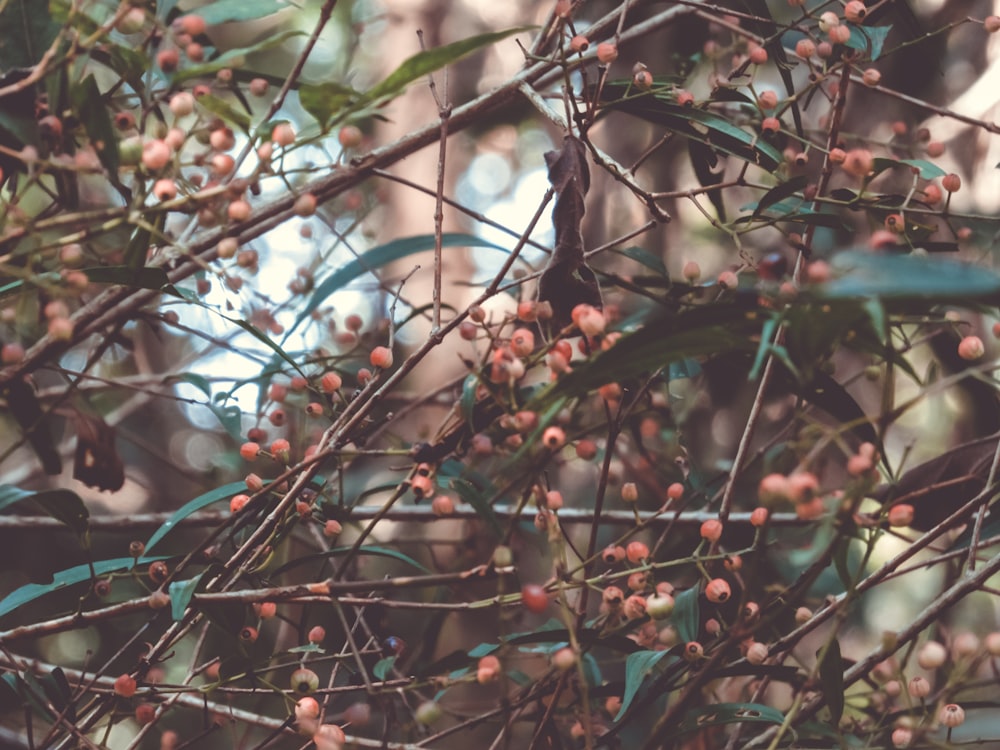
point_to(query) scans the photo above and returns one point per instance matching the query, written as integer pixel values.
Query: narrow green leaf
(180, 595)
(728, 713)
(638, 667)
(234, 58)
(643, 257)
(380, 256)
(428, 61)
(868, 39)
(694, 123)
(383, 667)
(78, 574)
(898, 277)
(224, 11)
(467, 402)
(368, 549)
(226, 111)
(147, 277)
(779, 193)
(225, 492)
(26, 31)
(686, 615)
(324, 100)
(928, 170)
(67, 507)
(93, 113)
(470, 494)
(831, 675)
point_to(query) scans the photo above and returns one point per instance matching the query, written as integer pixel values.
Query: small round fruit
(971, 348)
(579, 43)
(659, 606)
(685, 98)
(553, 438)
(758, 55)
(900, 515)
(693, 651)
(992, 24)
(283, 134)
(607, 52)
(304, 681)
(305, 205)
(427, 713)
(168, 60)
(770, 125)
(855, 11)
(711, 530)
(757, 653)
(381, 357)
(306, 708)
(350, 136)
(805, 48)
(636, 552)
(717, 590)
(534, 598)
(564, 659)
(951, 182)
(758, 517)
(871, 77)
(125, 686)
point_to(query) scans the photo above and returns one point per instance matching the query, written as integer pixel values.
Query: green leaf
(831, 675)
(226, 111)
(906, 277)
(234, 58)
(663, 339)
(78, 574)
(428, 61)
(697, 124)
(868, 39)
(146, 277)
(928, 170)
(224, 11)
(638, 667)
(467, 402)
(26, 32)
(67, 507)
(380, 256)
(230, 417)
(728, 713)
(93, 113)
(686, 615)
(11, 495)
(471, 494)
(324, 100)
(779, 193)
(368, 549)
(225, 492)
(644, 257)
(383, 667)
(180, 595)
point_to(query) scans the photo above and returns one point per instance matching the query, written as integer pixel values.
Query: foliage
(581, 490)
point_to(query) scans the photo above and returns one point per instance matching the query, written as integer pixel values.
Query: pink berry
(381, 357)
(971, 348)
(607, 52)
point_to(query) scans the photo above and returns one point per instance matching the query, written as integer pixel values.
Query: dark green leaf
(831, 675)
(928, 170)
(224, 11)
(325, 100)
(10, 495)
(146, 277)
(868, 39)
(93, 113)
(705, 162)
(230, 417)
(779, 193)
(586, 637)
(26, 32)
(138, 244)
(225, 492)
(23, 405)
(227, 112)
(383, 667)
(664, 339)
(638, 667)
(728, 713)
(67, 507)
(427, 61)
(180, 595)
(470, 494)
(697, 124)
(644, 257)
(899, 277)
(686, 615)
(234, 58)
(380, 256)
(467, 403)
(78, 574)
(59, 692)
(367, 549)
